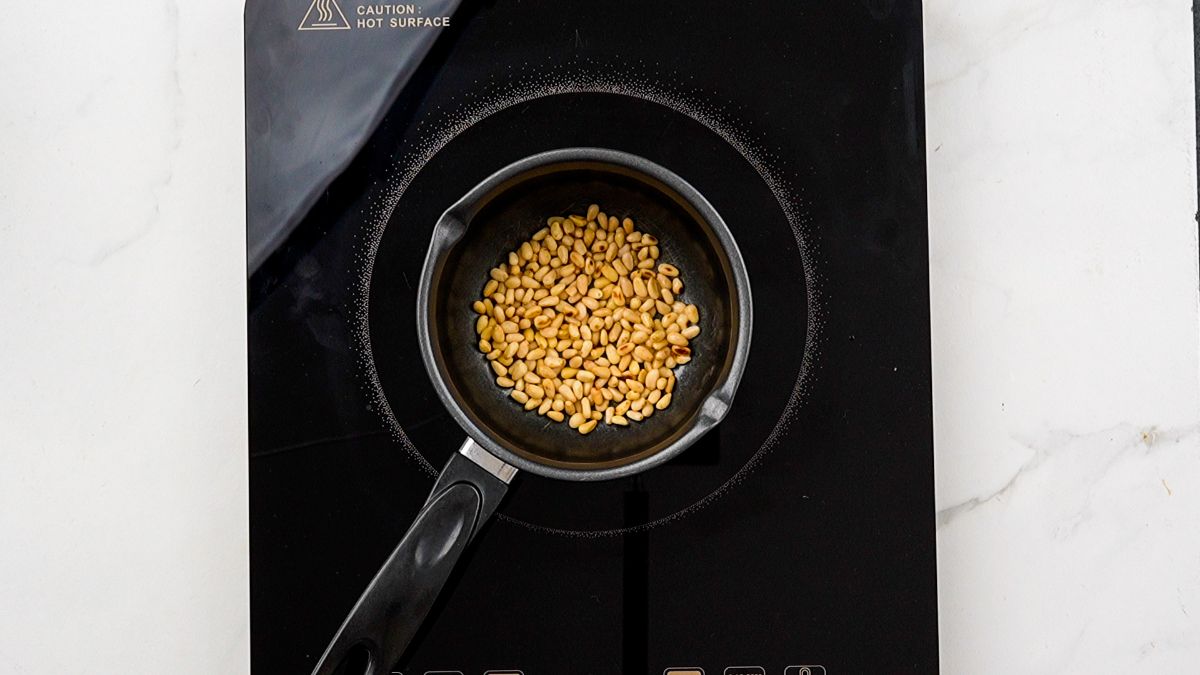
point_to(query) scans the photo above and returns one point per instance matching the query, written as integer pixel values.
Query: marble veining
(1105, 448)
(1062, 196)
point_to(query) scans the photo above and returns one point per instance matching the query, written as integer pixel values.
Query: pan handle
(385, 619)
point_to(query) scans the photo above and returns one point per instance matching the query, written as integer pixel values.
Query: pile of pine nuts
(582, 323)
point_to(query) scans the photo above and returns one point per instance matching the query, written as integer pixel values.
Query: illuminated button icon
(745, 670)
(804, 670)
(683, 671)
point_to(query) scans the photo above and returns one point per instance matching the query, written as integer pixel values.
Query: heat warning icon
(324, 15)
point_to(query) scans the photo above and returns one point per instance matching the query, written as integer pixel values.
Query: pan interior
(509, 216)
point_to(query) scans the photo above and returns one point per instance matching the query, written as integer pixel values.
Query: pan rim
(452, 225)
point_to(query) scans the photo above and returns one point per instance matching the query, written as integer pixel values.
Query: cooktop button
(804, 670)
(745, 670)
(683, 671)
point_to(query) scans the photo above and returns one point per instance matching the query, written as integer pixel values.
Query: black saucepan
(472, 237)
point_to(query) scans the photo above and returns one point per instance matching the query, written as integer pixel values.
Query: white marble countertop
(1062, 197)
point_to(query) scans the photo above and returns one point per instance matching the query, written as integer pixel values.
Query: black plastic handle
(385, 619)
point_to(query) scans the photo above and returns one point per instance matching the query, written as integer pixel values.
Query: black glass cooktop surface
(797, 534)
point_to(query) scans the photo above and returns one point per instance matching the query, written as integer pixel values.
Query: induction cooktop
(798, 535)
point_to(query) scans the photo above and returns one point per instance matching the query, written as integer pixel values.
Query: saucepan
(473, 236)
